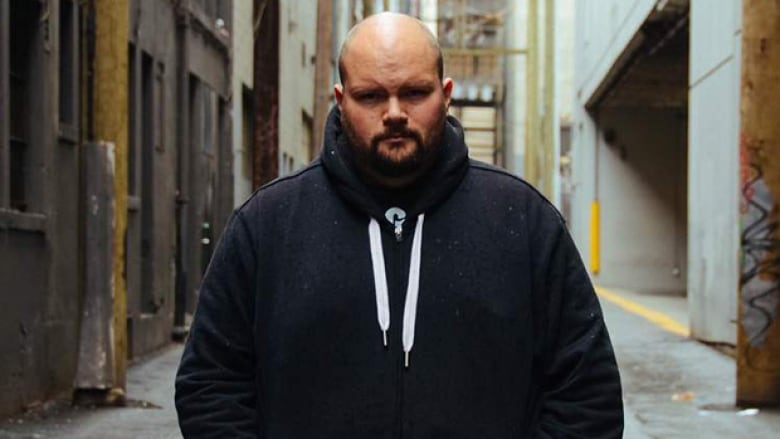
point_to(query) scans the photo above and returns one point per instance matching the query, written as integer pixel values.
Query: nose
(395, 113)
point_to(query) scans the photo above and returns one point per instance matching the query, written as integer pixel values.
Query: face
(393, 107)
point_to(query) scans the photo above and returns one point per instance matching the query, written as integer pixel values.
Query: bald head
(386, 31)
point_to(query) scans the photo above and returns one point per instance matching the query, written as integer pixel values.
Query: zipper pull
(396, 216)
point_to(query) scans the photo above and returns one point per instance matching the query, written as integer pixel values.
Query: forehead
(390, 54)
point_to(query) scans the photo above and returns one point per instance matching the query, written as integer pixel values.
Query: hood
(432, 189)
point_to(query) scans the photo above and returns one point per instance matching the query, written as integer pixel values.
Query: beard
(372, 160)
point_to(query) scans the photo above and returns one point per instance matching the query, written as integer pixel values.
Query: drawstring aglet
(384, 338)
(406, 360)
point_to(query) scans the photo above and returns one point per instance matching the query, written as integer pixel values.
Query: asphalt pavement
(674, 387)
(149, 414)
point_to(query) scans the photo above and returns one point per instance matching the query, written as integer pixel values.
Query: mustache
(402, 132)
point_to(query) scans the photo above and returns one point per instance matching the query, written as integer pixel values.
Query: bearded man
(395, 288)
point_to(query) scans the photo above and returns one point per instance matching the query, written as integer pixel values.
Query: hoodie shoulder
(499, 182)
(285, 186)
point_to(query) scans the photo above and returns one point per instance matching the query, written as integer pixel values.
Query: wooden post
(266, 93)
(323, 68)
(758, 337)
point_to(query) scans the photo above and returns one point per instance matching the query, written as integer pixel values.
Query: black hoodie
(509, 340)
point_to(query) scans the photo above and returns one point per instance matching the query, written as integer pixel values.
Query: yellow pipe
(595, 239)
(111, 108)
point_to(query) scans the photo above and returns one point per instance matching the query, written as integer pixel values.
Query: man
(394, 288)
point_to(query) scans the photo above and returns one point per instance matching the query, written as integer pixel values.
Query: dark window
(150, 302)
(159, 107)
(67, 63)
(23, 25)
(147, 100)
(247, 124)
(207, 119)
(132, 122)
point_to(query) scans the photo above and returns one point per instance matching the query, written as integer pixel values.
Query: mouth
(395, 139)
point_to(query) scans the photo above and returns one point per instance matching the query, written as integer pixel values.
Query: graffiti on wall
(760, 290)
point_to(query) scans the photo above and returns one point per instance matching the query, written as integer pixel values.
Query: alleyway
(674, 387)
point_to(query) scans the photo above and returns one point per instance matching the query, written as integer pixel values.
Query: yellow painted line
(658, 318)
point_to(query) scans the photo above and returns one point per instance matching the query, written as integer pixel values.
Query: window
(132, 114)
(207, 119)
(23, 21)
(247, 128)
(68, 64)
(149, 300)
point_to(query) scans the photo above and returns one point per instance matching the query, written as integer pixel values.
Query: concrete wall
(515, 89)
(564, 31)
(243, 56)
(604, 29)
(39, 246)
(714, 169)
(151, 228)
(642, 194)
(297, 43)
(639, 177)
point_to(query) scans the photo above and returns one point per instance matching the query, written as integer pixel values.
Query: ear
(338, 92)
(447, 85)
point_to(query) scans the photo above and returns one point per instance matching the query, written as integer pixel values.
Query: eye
(368, 96)
(416, 93)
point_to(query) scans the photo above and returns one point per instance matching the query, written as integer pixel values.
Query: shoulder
(498, 183)
(281, 190)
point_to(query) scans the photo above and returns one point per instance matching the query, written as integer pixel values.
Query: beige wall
(297, 45)
(242, 78)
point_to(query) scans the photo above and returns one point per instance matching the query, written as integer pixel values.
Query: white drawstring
(380, 278)
(412, 289)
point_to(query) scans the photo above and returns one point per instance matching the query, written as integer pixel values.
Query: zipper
(399, 270)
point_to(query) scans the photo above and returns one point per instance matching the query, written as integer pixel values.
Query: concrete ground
(673, 387)
(150, 413)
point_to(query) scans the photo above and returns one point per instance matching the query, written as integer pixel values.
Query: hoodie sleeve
(581, 395)
(215, 383)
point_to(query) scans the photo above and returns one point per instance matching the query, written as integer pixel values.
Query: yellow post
(758, 334)
(110, 124)
(595, 237)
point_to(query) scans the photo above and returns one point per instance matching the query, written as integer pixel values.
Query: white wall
(514, 107)
(643, 231)
(297, 45)
(564, 31)
(243, 55)
(604, 29)
(642, 194)
(713, 198)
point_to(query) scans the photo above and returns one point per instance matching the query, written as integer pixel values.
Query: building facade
(178, 165)
(655, 171)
